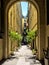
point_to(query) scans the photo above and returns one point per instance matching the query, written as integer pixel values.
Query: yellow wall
(13, 23)
(22, 24)
(35, 28)
(33, 16)
(33, 25)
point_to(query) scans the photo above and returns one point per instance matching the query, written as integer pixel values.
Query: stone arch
(6, 19)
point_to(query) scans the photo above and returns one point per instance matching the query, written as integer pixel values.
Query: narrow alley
(24, 32)
(23, 56)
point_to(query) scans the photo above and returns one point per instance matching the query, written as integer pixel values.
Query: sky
(24, 6)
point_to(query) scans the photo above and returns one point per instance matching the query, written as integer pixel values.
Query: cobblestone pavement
(22, 57)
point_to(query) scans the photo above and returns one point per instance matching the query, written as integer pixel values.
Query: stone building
(42, 25)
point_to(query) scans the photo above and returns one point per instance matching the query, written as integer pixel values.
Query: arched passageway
(6, 22)
(41, 25)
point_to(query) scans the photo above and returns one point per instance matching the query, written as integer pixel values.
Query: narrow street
(24, 32)
(24, 56)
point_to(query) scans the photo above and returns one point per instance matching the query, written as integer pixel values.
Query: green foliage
(15, 36)
(19, 38)
(30, 36)
(34, 51)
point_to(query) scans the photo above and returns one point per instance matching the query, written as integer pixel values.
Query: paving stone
(22, 57)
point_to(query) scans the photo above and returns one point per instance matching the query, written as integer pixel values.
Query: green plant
(30, 36)
(19, 39)
(34, 51)
(15, 36)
